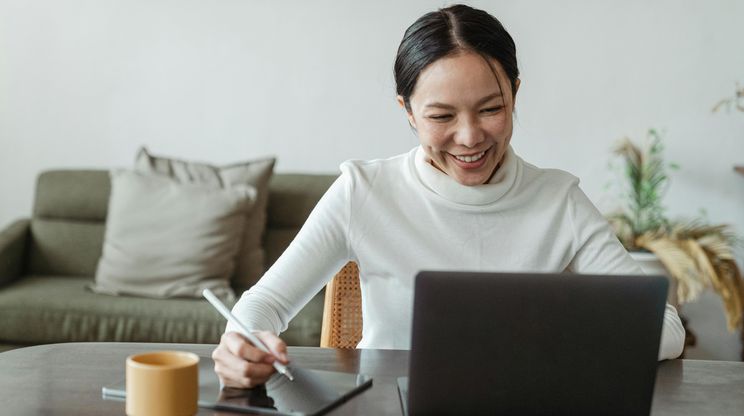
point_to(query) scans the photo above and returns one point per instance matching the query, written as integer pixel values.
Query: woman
(461, 200)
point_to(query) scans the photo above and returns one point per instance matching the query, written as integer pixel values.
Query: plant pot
(651, 265)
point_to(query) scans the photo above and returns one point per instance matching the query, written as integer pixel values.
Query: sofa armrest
(13, 241)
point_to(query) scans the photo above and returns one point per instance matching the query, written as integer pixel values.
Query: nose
(469, 133)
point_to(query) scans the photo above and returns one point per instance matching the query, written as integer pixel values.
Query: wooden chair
(342, 312)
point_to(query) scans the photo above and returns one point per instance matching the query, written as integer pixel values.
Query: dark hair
(449, 31)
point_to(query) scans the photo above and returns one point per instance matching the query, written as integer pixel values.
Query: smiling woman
(462, 200)
(457, 77)
(463, 132)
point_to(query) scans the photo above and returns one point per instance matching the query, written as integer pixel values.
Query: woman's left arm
(599, 251)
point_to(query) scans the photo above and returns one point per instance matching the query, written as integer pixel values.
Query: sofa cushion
(256, 173)
(51, 309)
(169, 239)
(72, 195)
(68, 222)
(293, 196)
(48, 309)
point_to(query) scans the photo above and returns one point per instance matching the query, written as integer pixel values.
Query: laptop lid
(534, 344)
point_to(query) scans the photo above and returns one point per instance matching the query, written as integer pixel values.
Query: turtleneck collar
(446, 187)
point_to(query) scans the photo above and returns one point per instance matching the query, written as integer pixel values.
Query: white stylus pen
(222, 309)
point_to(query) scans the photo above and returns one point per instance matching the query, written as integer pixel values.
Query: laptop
(533, 344)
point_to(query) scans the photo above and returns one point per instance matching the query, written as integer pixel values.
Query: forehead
(459, 79)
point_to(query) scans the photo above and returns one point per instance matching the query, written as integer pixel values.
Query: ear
(402, 104)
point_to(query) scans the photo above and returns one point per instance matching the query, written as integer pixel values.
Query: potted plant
(695, 254)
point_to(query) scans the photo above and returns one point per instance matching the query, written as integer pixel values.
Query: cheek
(498, 125)
(432, 135)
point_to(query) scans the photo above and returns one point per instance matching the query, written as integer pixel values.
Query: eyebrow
(480, 102)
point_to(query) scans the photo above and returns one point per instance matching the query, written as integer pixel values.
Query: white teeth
(472, 158)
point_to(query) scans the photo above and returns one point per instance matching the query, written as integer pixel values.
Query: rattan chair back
(342, 312)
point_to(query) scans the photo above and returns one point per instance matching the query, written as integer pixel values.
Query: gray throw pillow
(256, 173)
(169, 239)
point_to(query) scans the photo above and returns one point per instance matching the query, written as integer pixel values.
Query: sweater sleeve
(318, 251)
(599, 251)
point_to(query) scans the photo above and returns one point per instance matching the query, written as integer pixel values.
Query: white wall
(84, 83)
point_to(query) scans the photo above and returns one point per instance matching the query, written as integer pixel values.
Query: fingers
(240, 364)
(241, 347)
(275, 344)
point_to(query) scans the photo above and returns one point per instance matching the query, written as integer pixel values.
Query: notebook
(533, 344)
(313, 392)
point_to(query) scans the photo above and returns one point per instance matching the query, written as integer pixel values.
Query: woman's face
(463, 116)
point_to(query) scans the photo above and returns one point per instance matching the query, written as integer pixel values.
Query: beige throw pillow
(168, 239)
(256, 173)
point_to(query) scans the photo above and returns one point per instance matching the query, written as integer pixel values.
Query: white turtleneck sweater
(397, 216)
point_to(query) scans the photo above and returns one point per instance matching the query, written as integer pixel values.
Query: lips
(471, 158)
(471, 161)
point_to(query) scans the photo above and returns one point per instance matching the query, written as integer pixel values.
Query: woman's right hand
(238, 363)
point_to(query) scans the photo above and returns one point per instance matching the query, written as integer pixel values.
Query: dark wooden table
(66, 379)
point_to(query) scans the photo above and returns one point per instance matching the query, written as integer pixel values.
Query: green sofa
(47, 261)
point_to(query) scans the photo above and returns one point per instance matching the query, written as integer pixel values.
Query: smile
(472, 158)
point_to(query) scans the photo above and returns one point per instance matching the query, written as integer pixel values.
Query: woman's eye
(491, 110)
(440, 117)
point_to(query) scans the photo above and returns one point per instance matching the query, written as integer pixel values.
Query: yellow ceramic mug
(162, 383)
